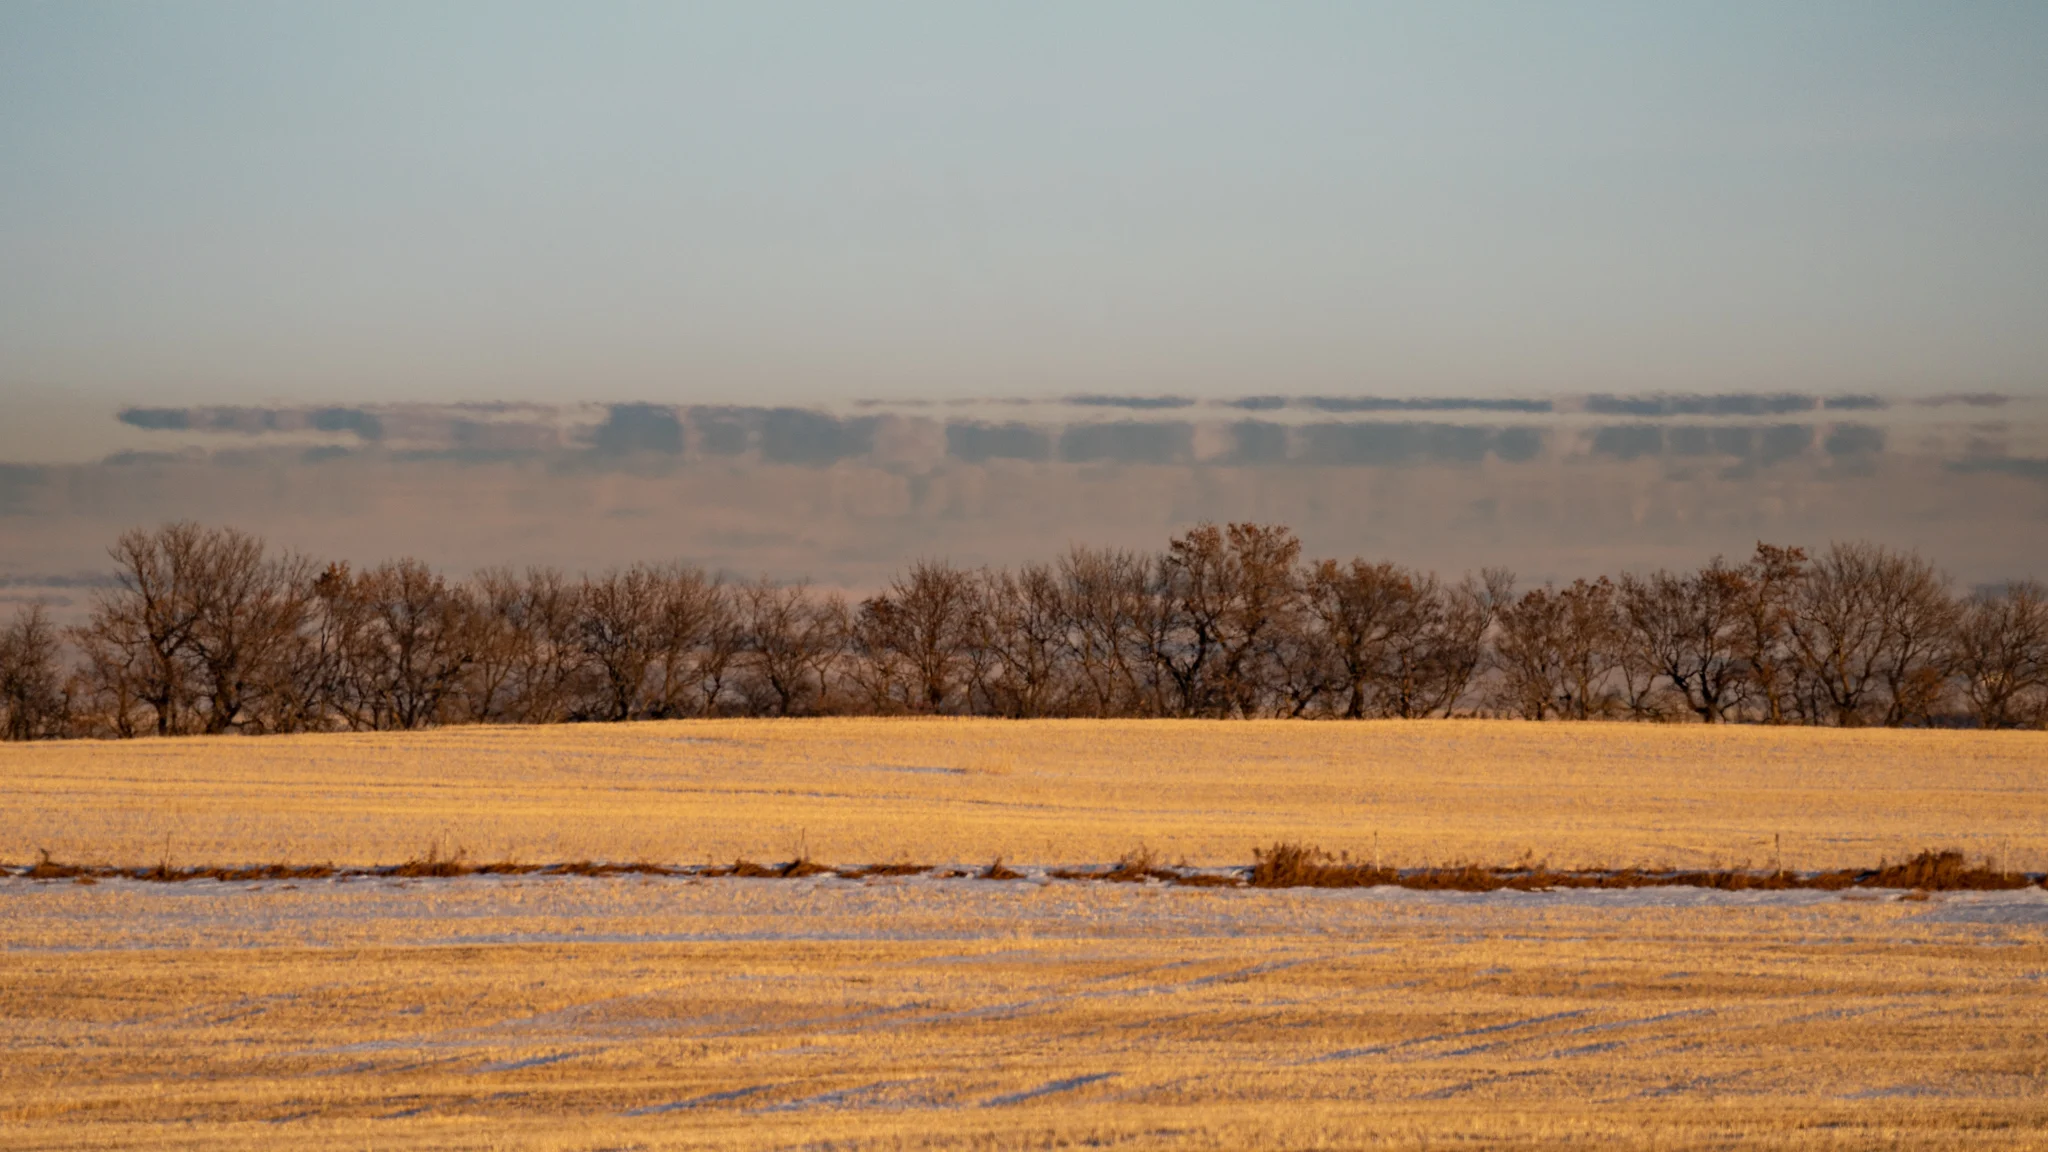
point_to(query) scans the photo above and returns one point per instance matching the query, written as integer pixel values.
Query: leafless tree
(1192, 591)
(139, 640)
(492, 679)
(921, 628)
(1442, 663)
(698, 638)
(201, 628)
(619, 628)
(1529, 653)
(1689, 630)
(1916, 646)
(1870, 627)
(1401, 640)
(1106, 597)
(1358, 608)
(251, 619)
(2002, 656)
(407, 637)
(33, 702)
(1023, 625)
(207, 630)
(1557, 648)
(1224, 594)
(550, 672)
(791, 641)
(1770, 588)
(1262, 609)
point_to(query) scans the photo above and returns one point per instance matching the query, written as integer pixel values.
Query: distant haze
(1553, 486)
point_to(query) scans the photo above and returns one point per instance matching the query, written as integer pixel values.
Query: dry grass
(657, 1012)
(1580, 796)
(1284, 865)
(1292, 865)
(675, 1002)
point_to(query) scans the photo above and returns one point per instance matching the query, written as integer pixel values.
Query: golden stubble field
(683, 1012)
(963, 791)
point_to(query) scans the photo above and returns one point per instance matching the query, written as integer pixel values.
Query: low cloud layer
(1553, 491)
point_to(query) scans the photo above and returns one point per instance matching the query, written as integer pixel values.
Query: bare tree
(619, 630)
(1365, 611)
(1023, 625)
(1557, 648)
(1689, 629)
(550, 669)
(407, 638)
(1916, 647)
(206, 630)
(492, 679)
(1450, 646)
(922, 626)
(1403, 643)
(1106, 597)
(1263, 607)
(1529, 652)
(2002, 656)
(201, 628)
(33, 702)
(1224, 593)
(1834, 629)
(251, 616)
(791, 641)
(1192, 593)
(697, 637)
(1870, 628)
(139, 639)
(1770, 588)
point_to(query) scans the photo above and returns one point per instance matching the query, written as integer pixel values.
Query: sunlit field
(964, 791)
(640, 1011)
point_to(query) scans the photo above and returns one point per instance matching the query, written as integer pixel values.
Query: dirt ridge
(1283, 865)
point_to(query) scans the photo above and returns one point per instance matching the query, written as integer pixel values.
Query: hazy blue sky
(211, 202)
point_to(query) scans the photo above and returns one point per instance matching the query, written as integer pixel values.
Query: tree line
(208, 630)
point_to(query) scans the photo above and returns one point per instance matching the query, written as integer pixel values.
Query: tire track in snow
(1048, 1088)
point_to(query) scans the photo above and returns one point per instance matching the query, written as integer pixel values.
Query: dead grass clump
(748, 870)
(867, 870)
(1134, 866)
(996, 871)
(1944, 871)
(594, 868)
(257, 872)
(1729, 880)
(1291, 865)
(48, 869)
(435, 864)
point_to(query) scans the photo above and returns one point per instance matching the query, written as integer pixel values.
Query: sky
(812, 290)
(211, 203)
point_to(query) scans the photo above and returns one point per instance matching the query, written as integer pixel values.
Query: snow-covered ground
(498, 909)
(635, 1011)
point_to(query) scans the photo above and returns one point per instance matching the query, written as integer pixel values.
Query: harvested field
(1050, 792)
(673, 1000)
(894, 1012)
